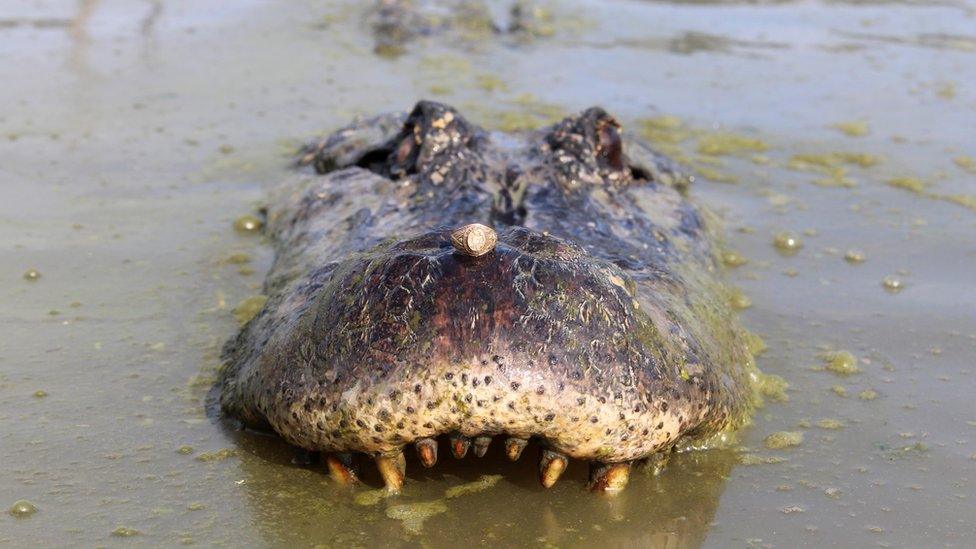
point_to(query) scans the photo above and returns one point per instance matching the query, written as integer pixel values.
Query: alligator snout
(533, 339)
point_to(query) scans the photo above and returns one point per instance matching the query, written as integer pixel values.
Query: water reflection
(80, 39)
(294, 504)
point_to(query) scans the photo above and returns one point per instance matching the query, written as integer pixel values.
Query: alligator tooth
(656, 463)
(609, 477)
(514, 447)
(459, 445)
(427, 451)
(551, 465)
(392, 468)
(481, 445)
(342, 468)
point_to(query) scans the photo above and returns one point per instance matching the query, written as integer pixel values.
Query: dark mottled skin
(395, 23)
(596, 325)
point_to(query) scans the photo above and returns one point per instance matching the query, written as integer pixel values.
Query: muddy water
(133, 134)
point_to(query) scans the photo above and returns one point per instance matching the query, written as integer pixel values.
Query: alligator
(396, 23)
(435, 283)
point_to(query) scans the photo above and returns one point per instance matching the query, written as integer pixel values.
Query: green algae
(860, 159)
(783, 439)
(371, 497)
(669, 134)
(448, 64)
(738, 300)
(490, 82)
(512, 121)
(916, 450)
(665, 122)
(773, 387)
(201, 380)
(908, 183)
(525, 112)
(965, 200)
(835, 179)
(541, 22)
(852, 128)
(249, 307)
(472, 23)
(219, 455)
(828, 162)
(868, 394)
(832, 165)
(840, 362)
(715, 176)
(732, 258)
(663, 130)
(727, 343)
(921, 188)
(854, 256)
(484, 482)
(754, 343)
(707, 316)
(726, 143)
(440, 89)
(124, 532)
(238, 258)
(413, 515)
(946, 90)
(830, 424)
(967, 163)
(461, 406)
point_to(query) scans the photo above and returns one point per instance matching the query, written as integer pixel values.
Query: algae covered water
(833, 139)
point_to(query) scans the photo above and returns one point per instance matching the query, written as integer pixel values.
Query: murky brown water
(133, 133)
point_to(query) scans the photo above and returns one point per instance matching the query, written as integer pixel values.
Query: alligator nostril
(474, 240)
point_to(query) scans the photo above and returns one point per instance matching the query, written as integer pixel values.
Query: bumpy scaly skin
(395, 23)
(595, 324)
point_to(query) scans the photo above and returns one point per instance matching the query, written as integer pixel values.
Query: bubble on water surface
(22, 509)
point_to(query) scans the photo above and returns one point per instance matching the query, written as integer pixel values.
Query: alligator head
(590, 321)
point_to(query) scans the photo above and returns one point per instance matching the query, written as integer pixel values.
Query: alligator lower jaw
(603, 477)
(489, 402)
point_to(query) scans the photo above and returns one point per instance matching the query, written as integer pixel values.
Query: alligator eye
(405, 156)
(609, 147)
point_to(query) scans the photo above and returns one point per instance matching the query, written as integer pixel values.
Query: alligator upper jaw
(410, 341)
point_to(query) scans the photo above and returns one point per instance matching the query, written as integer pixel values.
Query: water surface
(132, 134)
